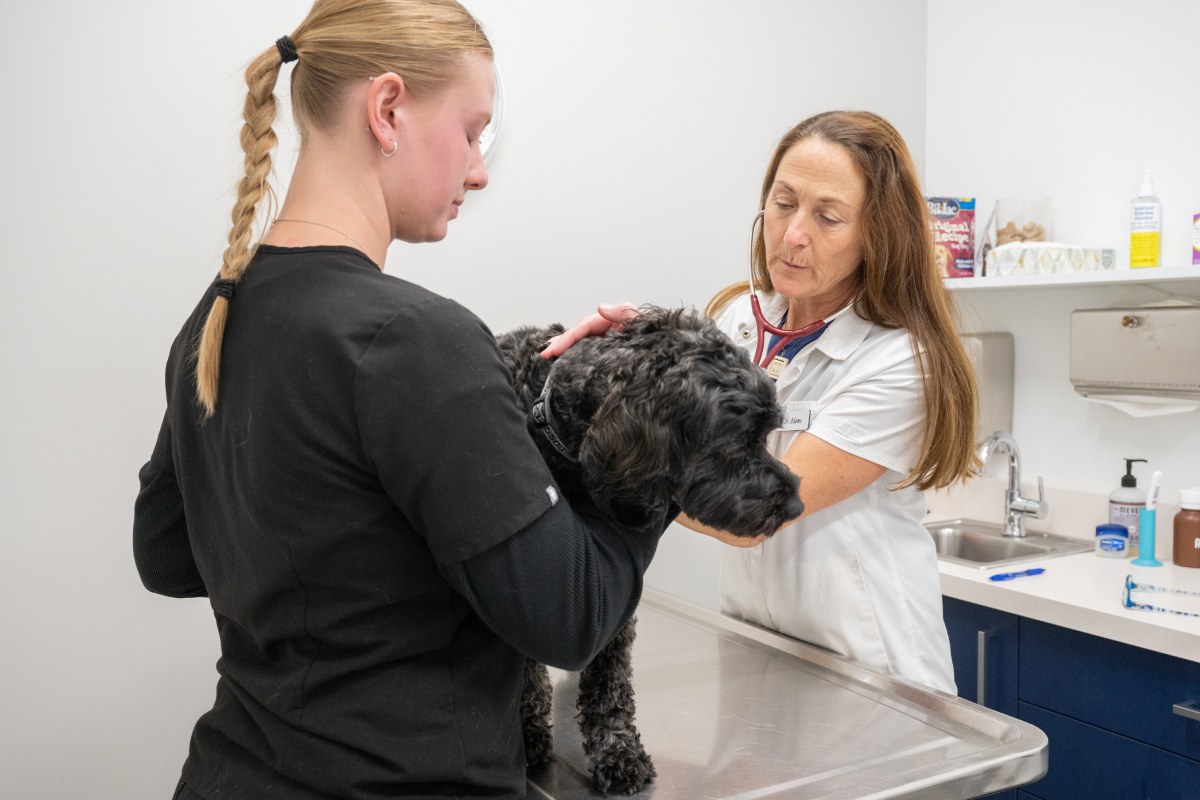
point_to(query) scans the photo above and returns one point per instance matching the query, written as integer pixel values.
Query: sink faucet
(1016, 508)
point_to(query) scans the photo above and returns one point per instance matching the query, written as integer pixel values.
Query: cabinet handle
(1188, 709)
(981, 659)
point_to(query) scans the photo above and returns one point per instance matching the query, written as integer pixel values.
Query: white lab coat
(860, 577)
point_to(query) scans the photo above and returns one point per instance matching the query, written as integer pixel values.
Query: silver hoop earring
(386, 154)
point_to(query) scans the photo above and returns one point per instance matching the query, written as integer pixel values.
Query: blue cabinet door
(1128, 690)
(984, 647)
(1090, 762)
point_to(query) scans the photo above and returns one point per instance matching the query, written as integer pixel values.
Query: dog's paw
(623, 768)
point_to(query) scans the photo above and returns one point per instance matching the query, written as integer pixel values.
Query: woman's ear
(386, 100)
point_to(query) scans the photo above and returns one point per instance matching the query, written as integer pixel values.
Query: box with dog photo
(952, 220)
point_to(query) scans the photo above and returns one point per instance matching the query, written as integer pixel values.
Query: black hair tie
(224, 289)
(287, 49)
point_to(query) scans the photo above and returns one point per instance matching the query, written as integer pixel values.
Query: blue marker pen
(1008, 576)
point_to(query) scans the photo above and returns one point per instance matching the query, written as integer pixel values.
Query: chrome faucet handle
(1038, 509)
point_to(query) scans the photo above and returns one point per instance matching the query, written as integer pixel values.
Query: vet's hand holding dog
(848, 314)
(343, 468)
(607, 317)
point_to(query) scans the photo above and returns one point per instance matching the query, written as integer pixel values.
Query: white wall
(634, 141)
(635, 136)
(1072, 100)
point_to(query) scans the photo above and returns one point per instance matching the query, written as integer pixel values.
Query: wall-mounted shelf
(1149, 275)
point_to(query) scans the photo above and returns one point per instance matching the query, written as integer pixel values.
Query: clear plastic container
(1024, 219)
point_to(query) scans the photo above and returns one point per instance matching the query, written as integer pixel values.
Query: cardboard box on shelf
(952, 220)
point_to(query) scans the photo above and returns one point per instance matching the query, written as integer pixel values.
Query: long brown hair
(340, 41)
(899, 285)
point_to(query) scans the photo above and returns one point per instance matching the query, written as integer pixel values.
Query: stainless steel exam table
(730, 710)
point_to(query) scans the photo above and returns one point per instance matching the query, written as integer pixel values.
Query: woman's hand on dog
(598, 324)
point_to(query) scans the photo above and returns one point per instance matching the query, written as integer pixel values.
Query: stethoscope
(764, 327)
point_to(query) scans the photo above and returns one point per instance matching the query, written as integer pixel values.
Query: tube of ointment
(1146, 523)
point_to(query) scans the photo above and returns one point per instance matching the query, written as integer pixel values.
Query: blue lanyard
(793, 347)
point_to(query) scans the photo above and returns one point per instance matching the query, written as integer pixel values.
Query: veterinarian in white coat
(856, 576)
(844, 239)
(879, 399)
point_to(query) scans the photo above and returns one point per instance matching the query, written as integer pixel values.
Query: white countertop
(1081, 591)
(1084, 592)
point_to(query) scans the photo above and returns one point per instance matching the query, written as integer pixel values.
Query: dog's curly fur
(667, 414)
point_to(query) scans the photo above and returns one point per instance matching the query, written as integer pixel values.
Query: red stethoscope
(786, 336)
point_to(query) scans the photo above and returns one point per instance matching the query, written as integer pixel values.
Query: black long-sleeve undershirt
(557, 590)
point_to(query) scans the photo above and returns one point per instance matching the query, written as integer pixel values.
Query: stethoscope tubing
(785, 335)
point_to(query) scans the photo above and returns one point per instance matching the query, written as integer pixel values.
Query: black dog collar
(543, 419)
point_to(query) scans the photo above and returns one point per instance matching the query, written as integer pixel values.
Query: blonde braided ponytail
(258, 140)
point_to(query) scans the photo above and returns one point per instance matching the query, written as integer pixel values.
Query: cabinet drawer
(1086, 761)
(1115, 686)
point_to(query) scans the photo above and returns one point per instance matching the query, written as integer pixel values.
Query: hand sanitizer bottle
(1126, 502)
(1145, 236)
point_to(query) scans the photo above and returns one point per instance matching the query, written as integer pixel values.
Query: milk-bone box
(952, 220)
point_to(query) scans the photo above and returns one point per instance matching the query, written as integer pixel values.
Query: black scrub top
(365, 435)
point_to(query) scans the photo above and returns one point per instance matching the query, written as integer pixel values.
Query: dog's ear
(625, 460)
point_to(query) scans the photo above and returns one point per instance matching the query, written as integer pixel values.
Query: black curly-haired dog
(666, 414)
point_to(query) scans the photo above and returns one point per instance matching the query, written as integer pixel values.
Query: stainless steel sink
(979, 544)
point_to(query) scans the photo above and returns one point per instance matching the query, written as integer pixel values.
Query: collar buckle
(543, 420)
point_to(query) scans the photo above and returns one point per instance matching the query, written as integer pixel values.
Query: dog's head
(679, 415)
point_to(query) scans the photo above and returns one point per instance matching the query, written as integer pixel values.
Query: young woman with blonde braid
(879, 400)
(342, 469)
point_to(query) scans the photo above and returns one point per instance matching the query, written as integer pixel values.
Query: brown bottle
(1187, 529)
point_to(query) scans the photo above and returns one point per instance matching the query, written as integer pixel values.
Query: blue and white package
(1112, 540)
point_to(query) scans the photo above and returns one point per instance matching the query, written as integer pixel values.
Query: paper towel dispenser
(1150, 353)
